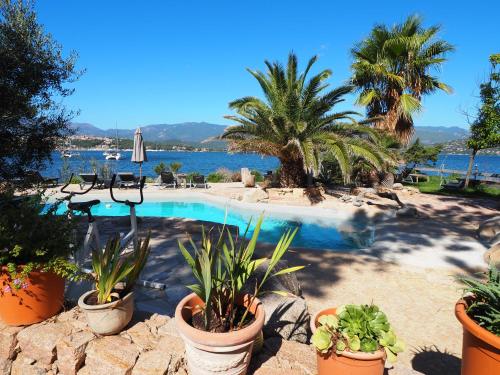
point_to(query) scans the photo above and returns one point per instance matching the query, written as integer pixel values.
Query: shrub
(34, 238)
(357, 328)
(215, 177)
(175, 166)
(485, 305)
(258, 175)
(221, 269)
(220, 175)
(160, 168)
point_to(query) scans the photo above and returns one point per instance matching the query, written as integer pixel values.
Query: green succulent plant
(357, 328)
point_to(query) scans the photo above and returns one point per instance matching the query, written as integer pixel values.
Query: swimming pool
(325, 232)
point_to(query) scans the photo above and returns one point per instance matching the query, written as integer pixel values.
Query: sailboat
(67, 153)
(114, 155)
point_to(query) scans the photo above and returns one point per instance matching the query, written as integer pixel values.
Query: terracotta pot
(358, 363)
(42, 299)
(109, 318)
(480, 347)
(217, 353)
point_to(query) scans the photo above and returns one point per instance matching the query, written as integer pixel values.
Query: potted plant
(354, 339)
(479, 313)
(217, 322)
(109, 308)
(35, 244)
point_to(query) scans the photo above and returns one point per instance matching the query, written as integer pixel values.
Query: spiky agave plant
(223, 267)
(111, 267)
(484, 306)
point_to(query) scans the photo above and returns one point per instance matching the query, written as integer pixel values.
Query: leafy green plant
(224, 265)
(258, 175)
(484, 306)
(175, 166)
(159, 168)
(111, 268)
(220, 175)
(357, 328)
(33, 237)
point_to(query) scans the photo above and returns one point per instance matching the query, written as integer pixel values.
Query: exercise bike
(92, 238)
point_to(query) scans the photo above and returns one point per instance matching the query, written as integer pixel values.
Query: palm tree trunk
(469, 168)
(292, 173)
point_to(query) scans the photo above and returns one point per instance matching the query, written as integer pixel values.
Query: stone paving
(150, 345)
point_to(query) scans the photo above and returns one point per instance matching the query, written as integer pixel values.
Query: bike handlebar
(127, 202)
(63, 189)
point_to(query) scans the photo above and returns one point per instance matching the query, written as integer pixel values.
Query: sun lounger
(199, 181)
(128, 180)
(88, 179)
(452, 185)
(35, 177)
(167, 179)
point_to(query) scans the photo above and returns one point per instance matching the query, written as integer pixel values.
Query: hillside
(192, 132)
(203, 132)
(440, 134)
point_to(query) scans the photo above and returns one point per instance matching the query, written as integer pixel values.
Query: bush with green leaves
(111, 267)
(357, 328)
(258, 176)
(33, 237)
(484, 305)
(175, 167)
(220, 175)
(222, 265)
(160, 168)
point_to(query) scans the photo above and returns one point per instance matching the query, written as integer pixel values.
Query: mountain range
(201, 132)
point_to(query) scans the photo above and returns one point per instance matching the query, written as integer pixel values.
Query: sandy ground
(408, 271)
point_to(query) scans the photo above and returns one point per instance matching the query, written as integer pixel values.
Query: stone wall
(149, 346)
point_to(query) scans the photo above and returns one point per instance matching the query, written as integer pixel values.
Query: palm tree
(392, 71)
(295, 123)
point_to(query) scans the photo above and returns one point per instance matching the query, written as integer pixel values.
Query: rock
(397, 186)
(247, 178)
(174, 346)
(168, 329)
(254, 196)
(152, 362)
(156, 321)
(5, 366)
(24, 365)
(489, 229)
(8, 341)
(286, 316)
(39, 341)
(75, 317)
(492, 255)
(407, 212)
(284, 357)
(110, 355)
(71, 352)
(357, 203)
(141, 335)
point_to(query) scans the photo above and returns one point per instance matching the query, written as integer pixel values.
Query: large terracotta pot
(217, 353)
(347, 363)
(109, 318)
(480, 348)
(42, 298)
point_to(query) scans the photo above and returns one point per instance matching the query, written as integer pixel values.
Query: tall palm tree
(296, 124)
(392, 71)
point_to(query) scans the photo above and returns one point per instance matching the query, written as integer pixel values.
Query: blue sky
(166, 62)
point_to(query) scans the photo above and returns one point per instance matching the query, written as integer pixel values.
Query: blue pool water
(314, 233)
